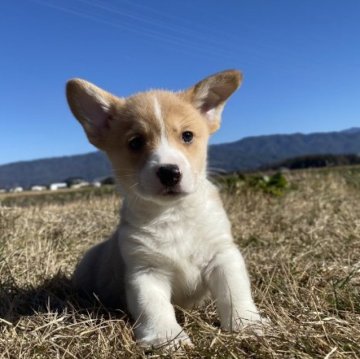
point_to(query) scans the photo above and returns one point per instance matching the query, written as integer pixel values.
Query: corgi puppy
(173, 245)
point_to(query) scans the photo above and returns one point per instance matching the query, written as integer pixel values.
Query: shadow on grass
(56, 295)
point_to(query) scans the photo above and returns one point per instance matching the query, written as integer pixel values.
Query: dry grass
(302, 251)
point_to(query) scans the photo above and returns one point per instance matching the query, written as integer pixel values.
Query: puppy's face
(157, 140)
(157, 145)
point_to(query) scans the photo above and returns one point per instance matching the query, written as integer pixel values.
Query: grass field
(302, 247)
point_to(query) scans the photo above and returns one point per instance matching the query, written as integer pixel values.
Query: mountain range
(247, 154)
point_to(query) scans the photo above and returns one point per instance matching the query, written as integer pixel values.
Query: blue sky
(300, 59)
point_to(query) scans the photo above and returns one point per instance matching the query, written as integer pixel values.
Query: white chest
(180, 243)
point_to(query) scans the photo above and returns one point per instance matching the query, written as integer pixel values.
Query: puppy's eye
(187, 136)
(136, 143)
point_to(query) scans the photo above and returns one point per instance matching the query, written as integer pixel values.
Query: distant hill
(254, 152)
(247, 154)
(351, 130)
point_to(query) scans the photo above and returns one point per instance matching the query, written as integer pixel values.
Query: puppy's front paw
(254, 323)
(164, 342)
(250, 320)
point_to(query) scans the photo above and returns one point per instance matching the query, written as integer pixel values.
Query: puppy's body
(174, 242)
(179, 243)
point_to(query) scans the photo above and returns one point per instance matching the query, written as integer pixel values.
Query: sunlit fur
(172, 246)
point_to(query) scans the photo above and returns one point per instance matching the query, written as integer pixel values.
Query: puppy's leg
(230, 287)
(148, 297)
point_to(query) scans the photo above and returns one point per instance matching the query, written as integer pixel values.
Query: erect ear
(209, 95)
(92, 107)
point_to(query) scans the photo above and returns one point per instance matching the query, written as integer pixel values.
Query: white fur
(172, 255)
(158, 115)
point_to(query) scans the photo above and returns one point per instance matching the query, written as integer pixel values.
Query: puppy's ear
(93, 108)
(209, 95)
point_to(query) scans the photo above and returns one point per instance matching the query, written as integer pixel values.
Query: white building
(16, 189)
(57, 186)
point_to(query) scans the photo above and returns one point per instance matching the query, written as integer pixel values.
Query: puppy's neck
(139, 211)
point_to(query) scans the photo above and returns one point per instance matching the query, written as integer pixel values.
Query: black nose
(169, 175)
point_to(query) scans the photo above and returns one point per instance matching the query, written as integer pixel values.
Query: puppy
(174, 243)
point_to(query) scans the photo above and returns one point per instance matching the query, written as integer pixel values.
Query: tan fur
(220, 87)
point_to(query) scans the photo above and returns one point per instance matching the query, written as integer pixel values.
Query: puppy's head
(156, 140)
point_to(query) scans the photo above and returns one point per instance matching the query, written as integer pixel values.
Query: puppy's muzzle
(169, 175)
